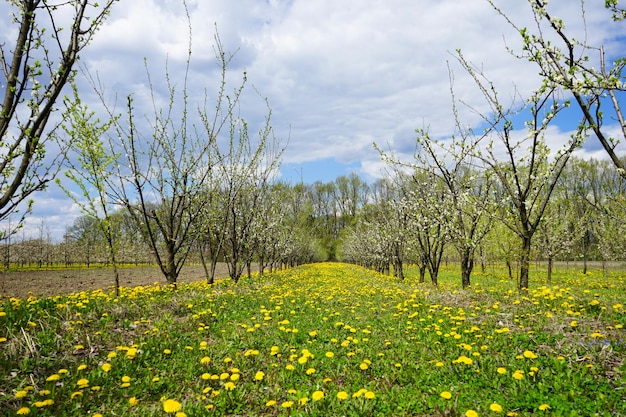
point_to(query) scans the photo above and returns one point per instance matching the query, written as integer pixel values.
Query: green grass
(321, 340)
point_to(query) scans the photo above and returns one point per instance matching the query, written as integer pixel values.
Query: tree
(526, 170)
(91, 173)
(35, 69)
(566, 61)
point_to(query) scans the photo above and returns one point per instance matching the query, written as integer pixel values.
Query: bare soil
(45, 283)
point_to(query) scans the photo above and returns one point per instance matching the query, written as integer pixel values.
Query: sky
(338, 75)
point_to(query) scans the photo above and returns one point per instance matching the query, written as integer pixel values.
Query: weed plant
(320, 340)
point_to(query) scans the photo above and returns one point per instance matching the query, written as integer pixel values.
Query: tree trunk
(524, 263)
(467, 265)
(422, 269)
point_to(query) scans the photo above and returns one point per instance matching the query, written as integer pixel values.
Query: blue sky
(339, 75)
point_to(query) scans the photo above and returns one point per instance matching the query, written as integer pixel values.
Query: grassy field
(321, 340)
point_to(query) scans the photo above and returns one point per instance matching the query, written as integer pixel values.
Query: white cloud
(339, 75)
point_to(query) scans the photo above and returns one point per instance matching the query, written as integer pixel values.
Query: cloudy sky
(339, 75)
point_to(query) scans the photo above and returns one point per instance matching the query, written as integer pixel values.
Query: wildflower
(317, 395)
(310, 371)
(82, 383)
(544, 407)
(259, 376)
(171, 406)
(446, 395)
(234, 377)
(81, 367)
(519, 375)
(303, 400)
(501, 371)
(76, 394)
(180, 414)
(167, 351)
(471, 413)
(363, 366)
(342, 395)
(53, 377)
(370, 395)
(205, 360)
(229, 386)
(20, 394)
(133, 401)
(529, 355)
(106, 367)
(270, 403)
(495, 407)
(330, 355)
(23, 411)
(287, 404)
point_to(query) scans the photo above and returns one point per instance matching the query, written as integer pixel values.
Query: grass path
(322, 340)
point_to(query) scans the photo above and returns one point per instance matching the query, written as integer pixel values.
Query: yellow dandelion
(446, 395)
(23, 411)
(544, 407)
(342, 395)
(370, 395)
(471, 413)
(259, 375)
(496, 408)
(270, 403)
(501, 371)
(287, 404)
(133, 401)
(310, 371)
(106, 367)
(529, 355)
(317, 395)
(180, 414)
(53, 377)
(171, 406)
(229, 386)
(205, 360)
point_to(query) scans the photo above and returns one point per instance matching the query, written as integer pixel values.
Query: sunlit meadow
(321, 340)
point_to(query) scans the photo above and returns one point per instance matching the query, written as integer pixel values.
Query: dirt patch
(60, 282)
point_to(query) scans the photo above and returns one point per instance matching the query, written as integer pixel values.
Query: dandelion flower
(317, 395)
(270, 403)
(287, 404)
(544, 407)
(495, 407)
(106, 367)
(259, 375)
(501, 371)
(229, 386)
(23, 411)
(370, 395)
(446, 395)
(180, 414)
(171, 406)
(471, 413)
(133, 401)
(529, 355)
(342, 395)
(53, 377)
(310, 371)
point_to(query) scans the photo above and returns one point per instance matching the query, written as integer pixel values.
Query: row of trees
(395, 221)
(417, 218)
